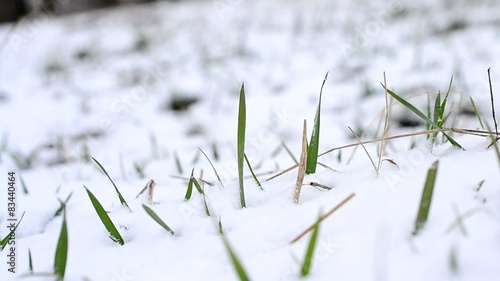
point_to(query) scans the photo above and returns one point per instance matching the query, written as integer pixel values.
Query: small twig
(323, 217)
(302, 165)
(492, 103)
(316, 184)
(364, 148)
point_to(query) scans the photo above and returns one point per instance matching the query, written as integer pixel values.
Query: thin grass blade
(4, 242)
(213, 167)
(241, 143)
(312, 150)
(157, 219)
(120, 197)
(61, 255)
(189, 191)
(30, 262)
(238, 267)
(307, 264)
(63, 203)
(426, 199)
(253, 174)
(105, 219)
(178, 163)
(289, 152)
(476, 112)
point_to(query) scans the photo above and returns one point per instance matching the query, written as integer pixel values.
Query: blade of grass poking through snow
(312, 150)
(302, 165)
(106, 221)
(30, 262)
(476, 112)
(306, 265)
(241, 143)
(120, 197)
(238, 267)
(289, 152)
(24, 187)
(157, 219)
(4, 242)
(178, 163)
(426, 199)
(61, 208)
(61, 255)
(253, 174)
(189, 190)
(213, 167)
(421, 115)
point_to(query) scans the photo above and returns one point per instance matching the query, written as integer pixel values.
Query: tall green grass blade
(426, 199)
(421, 115)
(241, 143)
(120, 197)
(476, 112)
(61, 255)
(213, 167)
(157, 219)
(105, 219)
(253, 174)
(313, 148)
(4, 242)
(238, 267)
(307, 264)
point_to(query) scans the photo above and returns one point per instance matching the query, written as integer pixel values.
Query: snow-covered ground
(104, 84)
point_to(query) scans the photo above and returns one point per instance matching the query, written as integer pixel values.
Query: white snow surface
(101, 82)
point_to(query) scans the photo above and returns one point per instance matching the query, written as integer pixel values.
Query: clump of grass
(312, 150)
(105, 219)
(241, 143)
(306, 265)
(157, 219)
(61, 255)
(120, 197)
(426, 199)
(192, 182)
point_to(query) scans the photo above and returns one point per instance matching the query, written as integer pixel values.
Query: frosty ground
(110, 84)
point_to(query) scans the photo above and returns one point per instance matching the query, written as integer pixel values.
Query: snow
(102, 82)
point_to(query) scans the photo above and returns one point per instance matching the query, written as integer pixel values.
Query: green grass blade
(197, 185)
(24, 187)
(213, 167)
(5, 240)
(238, 267)
(421, 115)
(105, 219)
(189, 191)
(241, 143)
(120, 197)
(426, 199)
(476, 111)
(306, 265)
(157, 219)
(313, 148)
(253, 174)
(61, 255)
(61, 208)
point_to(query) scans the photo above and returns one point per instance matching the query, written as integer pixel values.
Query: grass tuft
(426, 199)
(157, 219)
(241, 143)
(312, 150)
(106, 221)
(120, 197)
(61, 255)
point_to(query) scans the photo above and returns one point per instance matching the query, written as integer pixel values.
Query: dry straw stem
(386, 124)
(323, 217)
(426, 132)
(302, 165)
(364, 148)
(150, 186)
